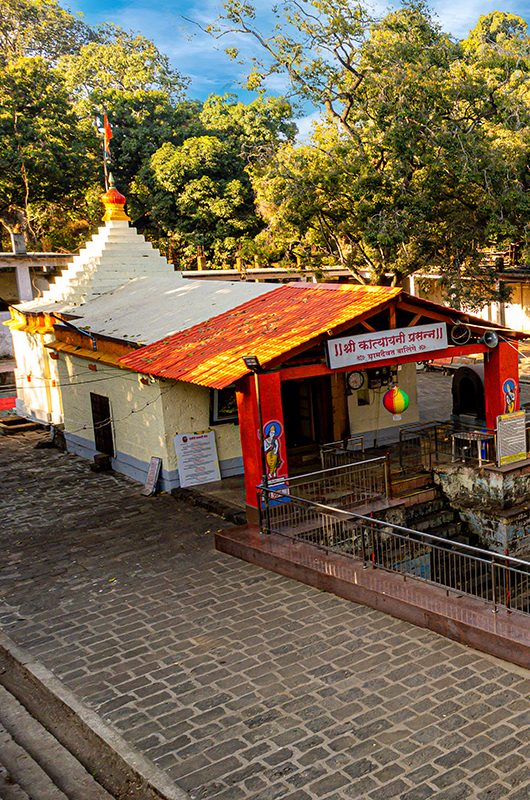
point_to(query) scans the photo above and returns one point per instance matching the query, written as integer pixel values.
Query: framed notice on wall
(511, 438)
(197, 458)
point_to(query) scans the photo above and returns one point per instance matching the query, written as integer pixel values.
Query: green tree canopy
(43, 155)
(39, 28)
(422, 160)
(207, 175)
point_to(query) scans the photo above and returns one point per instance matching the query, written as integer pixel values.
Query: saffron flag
(107, 132)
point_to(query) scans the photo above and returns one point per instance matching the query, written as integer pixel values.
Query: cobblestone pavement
(238, 682)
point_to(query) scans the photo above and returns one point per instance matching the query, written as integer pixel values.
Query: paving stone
(420, 792)
(241, 683)
(484, 778)
(388, 790)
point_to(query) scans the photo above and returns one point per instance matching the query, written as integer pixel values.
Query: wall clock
(355, 380)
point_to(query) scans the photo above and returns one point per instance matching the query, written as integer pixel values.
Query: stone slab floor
(238, 682)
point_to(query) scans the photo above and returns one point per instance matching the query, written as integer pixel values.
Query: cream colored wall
(187, 410)
(136, 411)
(163, 409)
(37, 378)
(374, 416)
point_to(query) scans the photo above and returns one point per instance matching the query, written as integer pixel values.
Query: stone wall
(495, 503)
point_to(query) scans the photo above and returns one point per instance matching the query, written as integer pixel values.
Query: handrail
(495, 578)
(339, 512)
(349, 465)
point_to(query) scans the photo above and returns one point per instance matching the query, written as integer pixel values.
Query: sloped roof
(151, 306)
(211, 353)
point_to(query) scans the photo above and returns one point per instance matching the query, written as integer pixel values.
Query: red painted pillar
(275, 461)
(501, 381)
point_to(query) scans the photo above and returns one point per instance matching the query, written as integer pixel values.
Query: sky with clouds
(170, 24)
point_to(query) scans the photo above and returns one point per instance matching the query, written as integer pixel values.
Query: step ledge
(123, 771)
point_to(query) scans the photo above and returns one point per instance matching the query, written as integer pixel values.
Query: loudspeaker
(490, 339)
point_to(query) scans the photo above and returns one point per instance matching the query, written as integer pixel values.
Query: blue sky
(204, 62)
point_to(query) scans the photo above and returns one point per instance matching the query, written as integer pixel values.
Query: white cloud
(305, 125)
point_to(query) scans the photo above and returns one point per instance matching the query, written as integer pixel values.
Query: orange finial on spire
(114, 203)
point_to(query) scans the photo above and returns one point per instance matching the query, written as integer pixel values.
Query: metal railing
(494, 578)
(346, 486)
(344, 451)
(423, 445)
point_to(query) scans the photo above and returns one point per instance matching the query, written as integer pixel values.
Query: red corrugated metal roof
(270, 326)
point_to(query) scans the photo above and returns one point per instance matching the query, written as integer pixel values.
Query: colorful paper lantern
(396, 401)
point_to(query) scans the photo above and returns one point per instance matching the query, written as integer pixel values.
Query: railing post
(259, 496)
(507, 584)
(493, 587)
(363, 547)
(267, 511)
(388, 477)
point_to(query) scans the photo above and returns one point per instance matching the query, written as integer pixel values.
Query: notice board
(153, 474)
(511, 438)
(197, 458)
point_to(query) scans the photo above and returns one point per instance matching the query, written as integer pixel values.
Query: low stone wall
(468, 486)
(508, 533)
(495, 503)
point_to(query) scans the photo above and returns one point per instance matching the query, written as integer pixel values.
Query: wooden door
(102, 423)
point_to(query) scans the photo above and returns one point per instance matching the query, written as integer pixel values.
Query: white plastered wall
(374, 416)
(517, 310)
(37, 378)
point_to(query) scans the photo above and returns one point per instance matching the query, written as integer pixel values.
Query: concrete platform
(459, 617)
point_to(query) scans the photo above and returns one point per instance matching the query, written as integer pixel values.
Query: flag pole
(107, 136)
(105, 167)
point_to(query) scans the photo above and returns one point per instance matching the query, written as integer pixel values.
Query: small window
(223, 406)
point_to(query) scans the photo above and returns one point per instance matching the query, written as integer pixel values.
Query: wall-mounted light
(252, 363)
(54, 356)
(93, 367)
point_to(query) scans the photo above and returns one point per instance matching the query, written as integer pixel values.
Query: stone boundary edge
(222, 508)
(123, 771)
(438, 618)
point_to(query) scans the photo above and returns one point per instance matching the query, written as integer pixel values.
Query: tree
(423, 158)
(117, 61)
(56, 75)
(44, 155)
(38, 28)
(201, 189)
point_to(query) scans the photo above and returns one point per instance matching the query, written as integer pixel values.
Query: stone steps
(33, 765)
(405, 486)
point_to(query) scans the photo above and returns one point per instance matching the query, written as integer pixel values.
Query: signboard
(281, 496)
(197, 458)
(511, 438)
(348, 351)
(153, 475)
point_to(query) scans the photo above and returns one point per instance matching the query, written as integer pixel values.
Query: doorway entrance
(102, 424)
(307, 412)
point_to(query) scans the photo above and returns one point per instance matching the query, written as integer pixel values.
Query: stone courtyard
(238, 682)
